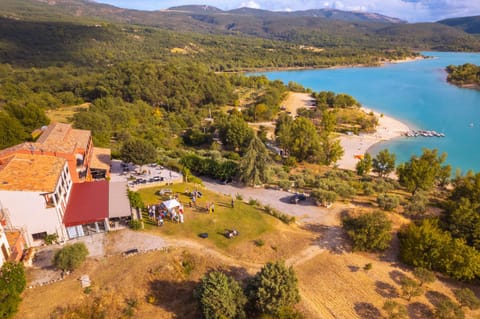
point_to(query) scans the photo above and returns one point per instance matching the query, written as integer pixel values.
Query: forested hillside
(467, 24)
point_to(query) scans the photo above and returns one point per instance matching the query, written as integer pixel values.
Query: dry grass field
(65, 114)
(332, 280)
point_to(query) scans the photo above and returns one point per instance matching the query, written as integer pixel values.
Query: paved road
(304, 211)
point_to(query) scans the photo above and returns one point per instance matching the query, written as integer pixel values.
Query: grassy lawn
(65, 114)
(248, 220)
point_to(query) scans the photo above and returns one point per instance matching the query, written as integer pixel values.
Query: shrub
(239, 196)
(417, 205)
(388, 202)
(368, 189)
(285, 184)
(135, 224)
(259, 242)
(323, 196)
(410, 288)
(447, 309)
(70, 257)
(369, 232)
(467, 298)
(50, 239)
(287, 219)
(253, 202)
(188, 263)
(424, 275)
(382, 186)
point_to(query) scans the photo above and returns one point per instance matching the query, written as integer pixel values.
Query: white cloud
(250, 4)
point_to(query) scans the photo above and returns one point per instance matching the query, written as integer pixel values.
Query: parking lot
(142, 176)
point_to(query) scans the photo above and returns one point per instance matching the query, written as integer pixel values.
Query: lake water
(417, 94)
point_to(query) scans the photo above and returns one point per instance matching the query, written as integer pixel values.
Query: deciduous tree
(421, 172)
(384, 163)
(364, 166)
(138, 151)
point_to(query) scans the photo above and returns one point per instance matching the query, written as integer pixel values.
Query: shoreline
(346, 66)
(388, 128)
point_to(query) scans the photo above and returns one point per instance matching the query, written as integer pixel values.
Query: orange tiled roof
(57, 137)
(60, 137)
(101, 158)
(24, 172)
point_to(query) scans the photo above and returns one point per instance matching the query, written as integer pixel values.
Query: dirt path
(296, 100)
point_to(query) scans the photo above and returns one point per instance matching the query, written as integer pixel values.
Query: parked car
(297, 198)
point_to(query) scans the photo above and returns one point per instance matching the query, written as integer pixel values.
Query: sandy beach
(388, 128)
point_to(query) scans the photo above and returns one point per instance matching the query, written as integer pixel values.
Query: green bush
(368, 189)
(323, 197)
(388, 202)
(285, 184)
(135, 224)
(253, 202)
(382, 186)
(369, 232)
(50, 239)
(259, 242)
(71, 256)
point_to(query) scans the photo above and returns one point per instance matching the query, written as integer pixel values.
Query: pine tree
(254, 163)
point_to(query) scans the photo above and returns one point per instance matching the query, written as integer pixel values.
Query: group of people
(159, 214)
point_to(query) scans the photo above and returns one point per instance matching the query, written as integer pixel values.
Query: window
(49, 200)
(39, 236)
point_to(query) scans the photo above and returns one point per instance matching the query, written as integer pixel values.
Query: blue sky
(409, 10)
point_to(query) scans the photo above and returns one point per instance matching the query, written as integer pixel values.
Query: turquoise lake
(417, 94)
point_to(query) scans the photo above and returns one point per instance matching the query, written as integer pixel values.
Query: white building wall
(29, 211)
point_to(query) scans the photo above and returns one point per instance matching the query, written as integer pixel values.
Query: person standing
(233, 203)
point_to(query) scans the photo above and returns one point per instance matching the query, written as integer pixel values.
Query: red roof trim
(88, 203)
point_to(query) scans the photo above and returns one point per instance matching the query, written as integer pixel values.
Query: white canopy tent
(171, 204)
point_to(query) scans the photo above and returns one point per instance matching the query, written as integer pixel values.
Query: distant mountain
(468, 24)
(333, 14)
(348, 15)
(324, 28)
(196, 9)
